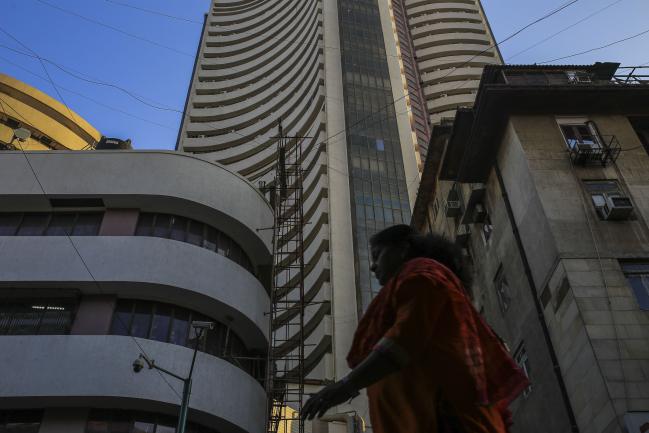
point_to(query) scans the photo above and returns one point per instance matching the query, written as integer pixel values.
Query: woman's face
(386, 260)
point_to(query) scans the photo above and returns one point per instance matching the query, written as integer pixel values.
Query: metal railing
(632, 75)
(605, 151)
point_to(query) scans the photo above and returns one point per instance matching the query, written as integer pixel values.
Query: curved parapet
(95, 371)
(144, 268)
(157, 181)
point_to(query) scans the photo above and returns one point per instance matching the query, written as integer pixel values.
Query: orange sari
(456, 376)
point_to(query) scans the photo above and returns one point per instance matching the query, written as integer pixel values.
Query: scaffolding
(285, 369)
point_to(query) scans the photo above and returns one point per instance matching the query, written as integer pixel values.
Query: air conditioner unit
(585, 147)
(453, 208)
(617, 208)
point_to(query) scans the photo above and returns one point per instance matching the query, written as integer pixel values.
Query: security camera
(202, 325)
(138, 365)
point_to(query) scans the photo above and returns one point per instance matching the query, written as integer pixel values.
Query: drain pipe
(537, 304)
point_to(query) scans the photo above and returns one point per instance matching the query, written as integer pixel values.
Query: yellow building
(51, 124)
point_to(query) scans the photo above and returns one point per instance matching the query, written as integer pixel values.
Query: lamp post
(138, 365)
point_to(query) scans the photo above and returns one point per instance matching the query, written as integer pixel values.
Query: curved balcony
(452, 12)
(168, 182)
(139, 267)
(425, 7)
(95, 371)
(452, 27)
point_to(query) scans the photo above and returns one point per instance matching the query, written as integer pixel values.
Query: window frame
(575, 122)
(641, 300)
(522, 359)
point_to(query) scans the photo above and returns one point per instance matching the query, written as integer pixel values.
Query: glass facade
(377, 178)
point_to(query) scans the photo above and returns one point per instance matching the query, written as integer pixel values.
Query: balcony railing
(638, 75)
(605, 152)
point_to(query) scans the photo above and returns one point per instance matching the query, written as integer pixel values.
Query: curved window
(36, 317)
(123, 421)
(193, 232)
(50, 223)
(149, 224)
(171, 324)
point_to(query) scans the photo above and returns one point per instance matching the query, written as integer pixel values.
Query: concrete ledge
(96, 371)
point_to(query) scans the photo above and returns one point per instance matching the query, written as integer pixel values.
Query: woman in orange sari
(428, 360)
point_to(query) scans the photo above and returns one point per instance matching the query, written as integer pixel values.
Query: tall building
(52, 124)
(108, 255)
(544, 185)
(362, 80)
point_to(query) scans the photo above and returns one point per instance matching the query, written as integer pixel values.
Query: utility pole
(138, 365)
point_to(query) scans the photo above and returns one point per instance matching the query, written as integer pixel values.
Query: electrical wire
(571, 26)
(115, 29)
(596, 48)
(97, 81)
(154, 12)
(49, 77)
(85, 265)
(81, 95)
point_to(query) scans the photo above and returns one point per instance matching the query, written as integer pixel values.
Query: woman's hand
(328, 397)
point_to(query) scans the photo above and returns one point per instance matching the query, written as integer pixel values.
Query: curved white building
(452, 42)
(119, 255)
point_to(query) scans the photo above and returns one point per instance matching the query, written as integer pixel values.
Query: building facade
(52, 124)
(107, 255)
(361, 80)
(543, 183)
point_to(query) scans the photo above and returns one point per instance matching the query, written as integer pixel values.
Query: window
(502, 290)
(599, 190)
(20, 421)
(194, 232)
(523, 362)
(637, 274)
(123, 421)
(36, 316)
(580, 134)
(50, 224)
(171, 324)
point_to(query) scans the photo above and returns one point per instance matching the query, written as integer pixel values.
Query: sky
(120, 44)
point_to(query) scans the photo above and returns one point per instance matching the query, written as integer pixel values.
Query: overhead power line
(570, 27)
(115, 29)
(81, 95)
(596, 48)
(49, 77)
(97, 81)
(162, 14)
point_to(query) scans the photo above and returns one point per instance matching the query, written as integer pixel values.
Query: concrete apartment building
(544, 183)
(363, 80)
(106, 255)
(52, 124)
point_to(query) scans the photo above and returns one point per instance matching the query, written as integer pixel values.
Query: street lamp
(138, 365)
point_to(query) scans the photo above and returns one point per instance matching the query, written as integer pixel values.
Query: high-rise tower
(348, 75)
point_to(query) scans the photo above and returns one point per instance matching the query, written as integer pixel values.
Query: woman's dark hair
(432, 246)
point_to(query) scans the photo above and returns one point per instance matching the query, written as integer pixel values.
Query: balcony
(602, 153)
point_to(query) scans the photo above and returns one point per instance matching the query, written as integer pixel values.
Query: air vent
(76, 202)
